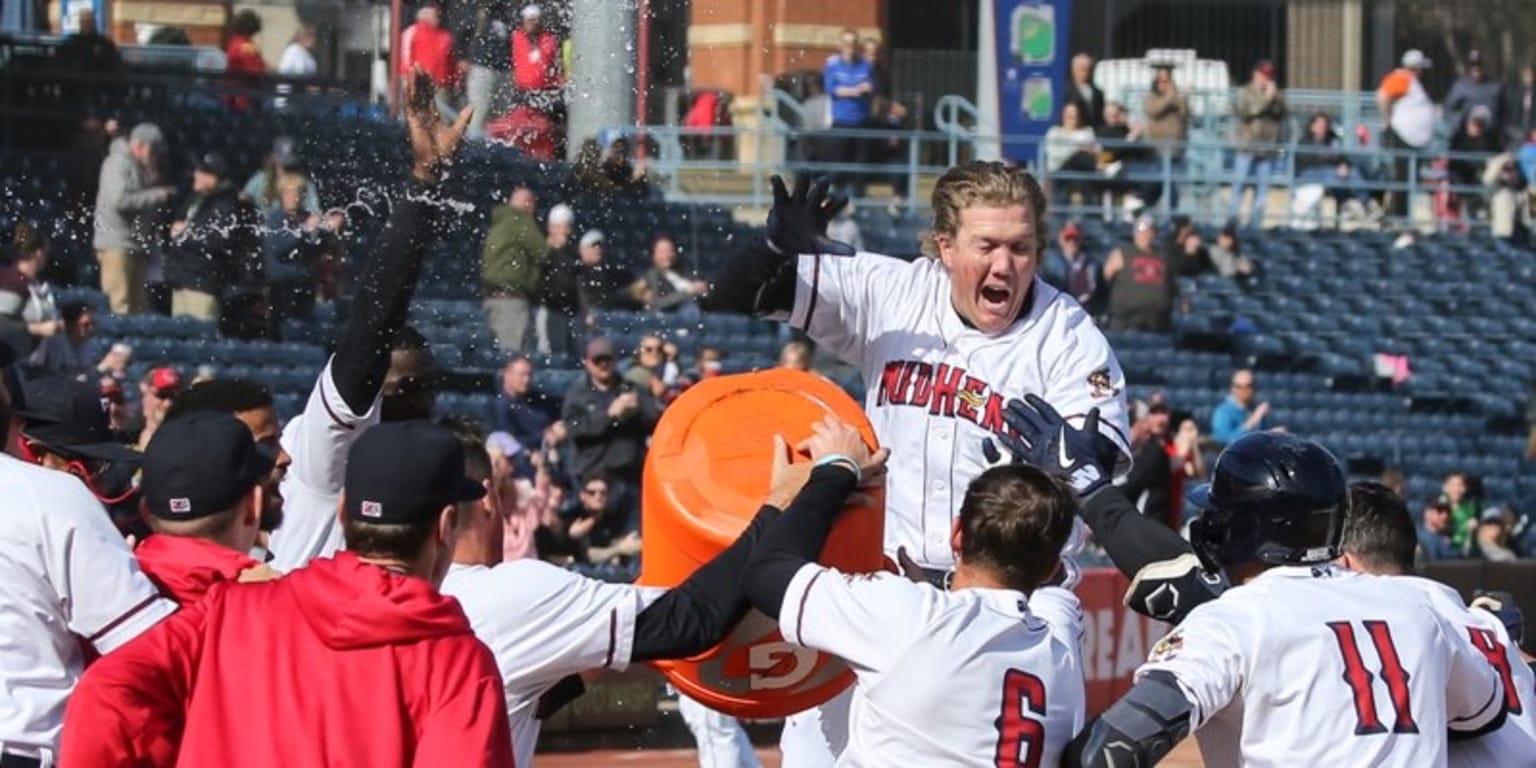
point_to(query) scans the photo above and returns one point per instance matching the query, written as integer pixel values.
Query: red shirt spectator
(244, 57)
(535, 55)
(428, 44)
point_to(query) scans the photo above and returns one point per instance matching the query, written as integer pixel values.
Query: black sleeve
(758, 281)
(1146, 472)
(1167, 580)
(1138, 730)
(694, 616)
(797, 537)
(383, 298)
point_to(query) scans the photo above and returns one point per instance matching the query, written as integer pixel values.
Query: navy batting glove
(797, 223)
(1083, 457)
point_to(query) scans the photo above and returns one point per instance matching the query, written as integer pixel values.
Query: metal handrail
(947, 115)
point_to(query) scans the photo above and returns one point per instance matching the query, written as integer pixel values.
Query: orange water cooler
(705, 477)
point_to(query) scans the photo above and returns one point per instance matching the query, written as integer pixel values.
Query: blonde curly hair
(983, 182)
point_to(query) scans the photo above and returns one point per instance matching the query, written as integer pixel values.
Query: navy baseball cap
(201, 464)
(403, 472)
(70, 417)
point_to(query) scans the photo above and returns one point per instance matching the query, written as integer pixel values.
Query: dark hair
(245, 23)
(73, 311)
(401, 541)
(28, 240)
(212, 526)
(408, 339)
(1378, 529)
(1013, 522)
(222, 395)
(477, 463)
(596, 474)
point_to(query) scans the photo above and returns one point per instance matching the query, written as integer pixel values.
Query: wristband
(838, 458)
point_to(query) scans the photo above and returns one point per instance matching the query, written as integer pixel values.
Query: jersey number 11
(1360, 679)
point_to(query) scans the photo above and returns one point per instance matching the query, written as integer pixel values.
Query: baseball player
(1379, 538)
(65, 576)
(943, 342)
(1298, 663)
(552, 630)
(346, 397)
(998, 634)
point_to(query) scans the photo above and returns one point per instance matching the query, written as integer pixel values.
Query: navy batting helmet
(1274, 498)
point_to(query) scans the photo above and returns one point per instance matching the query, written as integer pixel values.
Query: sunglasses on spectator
(601, 359)
(598, 491)
(650, 348)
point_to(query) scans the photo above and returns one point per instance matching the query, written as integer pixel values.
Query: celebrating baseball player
(943, 342)
(1379, 538)
(1298, 663)
(998, 634)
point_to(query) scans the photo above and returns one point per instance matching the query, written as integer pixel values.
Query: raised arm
(761, 279)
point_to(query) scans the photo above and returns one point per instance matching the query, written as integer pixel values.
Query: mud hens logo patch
(944, 390)
(1100, 385)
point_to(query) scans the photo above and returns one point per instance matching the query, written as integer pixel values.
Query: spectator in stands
(892, 118)
(521, 411)
(158, 390)
(298, 58)
(844, 228)
(587, 169)
(1259, 108)
(651, 369)
(596, 527)
(1476, 136)
(210, 240)
(708, 363)
(1238, 414)
(1070, 147)
(1186, 248)
(127, 194)
(1435, 533)
(1455, 492)
(625, 174)
(293, 241)
(72, 352)
(261, 190)
(1410, 121)
(879, 73)
(1082, 93)
(1082, 277)
(1474, 89)
(27, 308)
(555, 320)
(850, 82)
(512, 268)
(1519, 108)
(1143, 282)
(1492, 541)
(427, 45)
(487, 62)
(609, 421)
(1226, 256)
(664, 287)
(1124, 155)
(1321, 161)
(795, 355)
(86, 50)
(599, 284)
(241, 50)
(535, 59)
(1187, 464)
(1167, 112)
(1149, 483)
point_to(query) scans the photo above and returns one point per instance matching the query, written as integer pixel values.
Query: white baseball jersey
(1514, 744)
(973, 677)
(1318, 666)
(65, 574)
(936, 386)
(318, 441)
(543, 623)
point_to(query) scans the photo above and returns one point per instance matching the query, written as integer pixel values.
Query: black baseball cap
(214, 163)
(402, 472)
(201, 464)
(70, 417)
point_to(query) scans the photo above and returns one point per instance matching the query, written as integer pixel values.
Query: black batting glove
(797, 223)
(1083, 457)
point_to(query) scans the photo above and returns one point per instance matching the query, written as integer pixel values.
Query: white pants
(723, 743)
(816, 737)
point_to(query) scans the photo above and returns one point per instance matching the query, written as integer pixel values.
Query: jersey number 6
(1360, 679)
(1020, 737)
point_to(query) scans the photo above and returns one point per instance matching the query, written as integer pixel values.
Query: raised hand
(433, 141)
(1083, 457)
(797, 223)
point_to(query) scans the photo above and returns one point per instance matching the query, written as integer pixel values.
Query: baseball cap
(1494, 514)
(165, 380)
(1503, 606)
(1415, 59)
(201, 464)
(561, 214)
(1071, 232)
(530, 11)
(1265, 67)
(403, 472)
(592, 237)
(214, 163)
(599, 347)
(70, 417)
(285, 152)
(1474, 58)
(146, 133)
(1146, 222)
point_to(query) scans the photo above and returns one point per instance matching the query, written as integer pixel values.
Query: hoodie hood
(351, 604)
(185, 567)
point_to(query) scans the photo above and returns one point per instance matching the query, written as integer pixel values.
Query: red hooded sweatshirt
(339, 663)
(184, 568)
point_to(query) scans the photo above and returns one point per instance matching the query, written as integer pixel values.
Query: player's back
(986, 680)
(1313, 666)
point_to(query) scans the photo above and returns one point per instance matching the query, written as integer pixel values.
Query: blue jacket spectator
(1237, 415)
(1435, 533)
(849, 80)
(519, 411)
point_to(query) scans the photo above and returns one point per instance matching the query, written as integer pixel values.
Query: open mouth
(994, 296)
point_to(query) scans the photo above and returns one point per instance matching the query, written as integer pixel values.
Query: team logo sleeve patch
(1101, 386)
(1168, 647)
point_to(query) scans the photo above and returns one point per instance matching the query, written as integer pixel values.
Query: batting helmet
(1273, 497)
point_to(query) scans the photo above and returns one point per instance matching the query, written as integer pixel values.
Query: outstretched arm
(761, 279)
(1138, 730)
